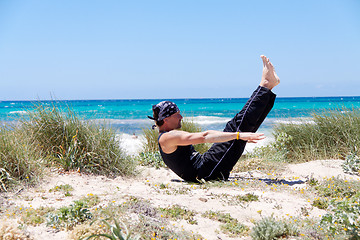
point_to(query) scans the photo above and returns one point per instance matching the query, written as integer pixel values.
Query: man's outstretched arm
(170, 140)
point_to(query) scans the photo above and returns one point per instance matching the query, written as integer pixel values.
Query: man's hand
(251, 137)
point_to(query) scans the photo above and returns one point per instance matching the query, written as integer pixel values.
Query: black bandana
(166, 109)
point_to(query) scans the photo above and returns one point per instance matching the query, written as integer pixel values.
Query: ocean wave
(18, 112)
(207, 120)
(122, 121)
(296, 121)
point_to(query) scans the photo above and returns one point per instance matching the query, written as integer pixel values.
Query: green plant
(233, 228)
(70, 216)
(116, 232)
(64, 188)
(352, 164)
(344, 217)
(177, 212)
(249, 197)
(35, 217)
(330, 134)
(151, 140)
(230, 225)
(269, 228)
(20, 162)
(152, 159)
(337, 188)
(90, 200)
(320, 203)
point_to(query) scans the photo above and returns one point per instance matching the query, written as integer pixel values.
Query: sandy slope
(284, 203)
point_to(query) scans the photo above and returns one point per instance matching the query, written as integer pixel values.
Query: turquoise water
(129, 116)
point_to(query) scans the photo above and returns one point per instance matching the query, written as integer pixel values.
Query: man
(176, 146)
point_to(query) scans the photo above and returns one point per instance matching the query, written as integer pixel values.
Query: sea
(129, 116)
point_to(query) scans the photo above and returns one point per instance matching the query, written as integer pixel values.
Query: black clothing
(182, 162)
(220, 159)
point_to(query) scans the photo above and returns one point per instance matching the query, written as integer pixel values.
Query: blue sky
(117, 49)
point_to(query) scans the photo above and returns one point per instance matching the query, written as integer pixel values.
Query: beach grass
(74, 144)
(19, 159)
(49, 137)
(331, 134)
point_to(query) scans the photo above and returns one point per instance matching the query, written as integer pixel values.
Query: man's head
(166, 111)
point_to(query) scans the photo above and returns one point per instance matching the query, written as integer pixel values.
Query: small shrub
(320, 203)
(68, 217)
(35, 217)
(269, 228)
(249, 197)
(229, 225)
(142, 207)
(233, 228)
(337, 188)
(152, 159)
(352, 164)
(344, 217)
(177, 212)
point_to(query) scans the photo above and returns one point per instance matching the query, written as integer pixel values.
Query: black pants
(220, 159)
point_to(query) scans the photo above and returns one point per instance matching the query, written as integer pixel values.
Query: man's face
(174, 121)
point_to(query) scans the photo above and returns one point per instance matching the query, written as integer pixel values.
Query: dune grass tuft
(76, 144)
(50, 136)
(332, 134)
(19, 159)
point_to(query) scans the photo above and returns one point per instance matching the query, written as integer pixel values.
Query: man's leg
(221, 157)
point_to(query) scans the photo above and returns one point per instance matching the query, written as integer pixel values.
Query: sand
(282, 201)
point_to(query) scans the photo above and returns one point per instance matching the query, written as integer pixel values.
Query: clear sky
(114, 49)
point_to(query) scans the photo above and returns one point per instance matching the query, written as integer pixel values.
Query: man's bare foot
(269, 78)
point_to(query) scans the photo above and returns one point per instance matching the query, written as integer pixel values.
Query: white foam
(121, 121)
(207, 120)
(18, 112)
(295, 121)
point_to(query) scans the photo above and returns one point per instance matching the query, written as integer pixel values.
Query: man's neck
(164, 129)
